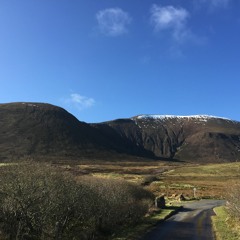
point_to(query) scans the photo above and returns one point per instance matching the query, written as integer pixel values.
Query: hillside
(44, 130)
(35, 129)
(189, 138)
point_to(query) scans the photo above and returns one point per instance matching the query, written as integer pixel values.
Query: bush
(38, 202)
(147, 180)
(119, 202)
(233, 203)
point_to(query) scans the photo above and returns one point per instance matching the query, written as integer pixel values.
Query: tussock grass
(6, 164)
(129, 177)
(223, 169)
(224, 227)
(210, 180)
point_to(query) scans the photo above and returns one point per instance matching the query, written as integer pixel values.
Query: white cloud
(79, 101)
(173, 19)
(113, 21)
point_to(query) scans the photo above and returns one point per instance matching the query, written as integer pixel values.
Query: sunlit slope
(189, 138)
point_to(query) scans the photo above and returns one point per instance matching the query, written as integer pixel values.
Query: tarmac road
(193, 222)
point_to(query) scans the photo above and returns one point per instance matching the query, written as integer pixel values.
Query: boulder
(160, 202)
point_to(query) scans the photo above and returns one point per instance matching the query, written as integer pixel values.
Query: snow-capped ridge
(165, 117)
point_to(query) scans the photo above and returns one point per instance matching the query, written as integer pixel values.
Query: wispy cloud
(173, 19)
(113, 21)
(80, 102)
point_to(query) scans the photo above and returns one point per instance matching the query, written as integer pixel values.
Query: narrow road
(193, 222)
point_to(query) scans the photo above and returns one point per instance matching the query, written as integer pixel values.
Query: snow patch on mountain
(203, 118)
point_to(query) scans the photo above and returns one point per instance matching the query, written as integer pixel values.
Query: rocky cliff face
(191, 138)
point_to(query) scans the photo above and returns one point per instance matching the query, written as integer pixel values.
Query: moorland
(66, 179)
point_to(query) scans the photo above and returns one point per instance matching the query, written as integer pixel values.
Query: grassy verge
(223, 226)
(147, 224)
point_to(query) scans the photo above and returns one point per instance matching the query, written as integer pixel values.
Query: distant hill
(43, 130)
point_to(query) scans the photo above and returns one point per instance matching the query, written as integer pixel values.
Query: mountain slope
(44, 130)
(37, 129)
(190, 138)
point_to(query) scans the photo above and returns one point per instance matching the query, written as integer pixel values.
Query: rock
(160, 202)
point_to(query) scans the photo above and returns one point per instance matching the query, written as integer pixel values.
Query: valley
(210, 181)
(183, 158)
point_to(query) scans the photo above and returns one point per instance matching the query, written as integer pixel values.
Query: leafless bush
(38, 202)
(119, 201)
(233, 200)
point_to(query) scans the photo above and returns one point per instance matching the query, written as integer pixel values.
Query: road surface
(193, 222)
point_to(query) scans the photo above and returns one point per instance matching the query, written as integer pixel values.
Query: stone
(160, 202)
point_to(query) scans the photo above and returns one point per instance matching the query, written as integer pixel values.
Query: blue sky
(103, 60)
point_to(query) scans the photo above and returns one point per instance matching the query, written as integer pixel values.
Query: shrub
(147, 180)
(233, 203)
(39, 202)
(119, 201)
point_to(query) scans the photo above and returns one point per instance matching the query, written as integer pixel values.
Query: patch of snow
(202, 118)
(32, 105)
(29, 104)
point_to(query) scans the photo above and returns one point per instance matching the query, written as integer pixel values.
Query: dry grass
(173, 178)
(224, 227)
(210, 180)
(130, 171)
(5, 164)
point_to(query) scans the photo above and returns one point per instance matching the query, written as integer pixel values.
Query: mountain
(198, 138)
(39, 130)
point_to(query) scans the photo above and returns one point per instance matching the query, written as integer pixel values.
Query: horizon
(102, 60)
(138, 116)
